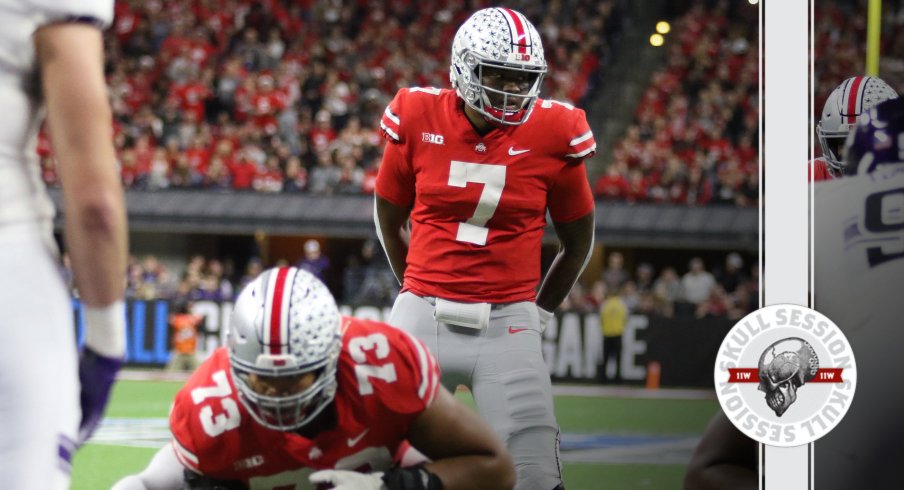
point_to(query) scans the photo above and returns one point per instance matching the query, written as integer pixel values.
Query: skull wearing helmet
(784, 367)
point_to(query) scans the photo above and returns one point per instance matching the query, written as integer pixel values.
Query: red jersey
(386, 378)
(478, 203)
(819, 170)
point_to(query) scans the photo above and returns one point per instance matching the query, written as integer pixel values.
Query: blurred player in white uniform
(476, 169)
(51, 56)
(859, 283)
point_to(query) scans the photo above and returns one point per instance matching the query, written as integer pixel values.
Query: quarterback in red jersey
(475, 170)
(301, 389)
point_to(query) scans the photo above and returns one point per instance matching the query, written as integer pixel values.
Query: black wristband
(411, 478)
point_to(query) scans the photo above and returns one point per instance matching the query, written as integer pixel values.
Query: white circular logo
(785, 375)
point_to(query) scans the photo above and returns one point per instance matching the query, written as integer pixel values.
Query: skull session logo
(785, 375)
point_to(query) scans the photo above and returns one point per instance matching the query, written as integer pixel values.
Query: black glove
(195, 481)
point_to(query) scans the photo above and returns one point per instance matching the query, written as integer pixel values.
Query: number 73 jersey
(386, 378)
(478, 202)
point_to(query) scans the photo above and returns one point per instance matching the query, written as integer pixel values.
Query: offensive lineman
(475, 170)
(51, 55)
(300, 388)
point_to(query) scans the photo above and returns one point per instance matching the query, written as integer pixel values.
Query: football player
(859, 275)
(52, 57)
(845, 105)
(300, 389)
(475, 170)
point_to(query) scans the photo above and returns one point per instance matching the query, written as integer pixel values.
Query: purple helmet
(878, 139)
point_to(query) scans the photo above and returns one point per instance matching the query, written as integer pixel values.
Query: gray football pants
(504, 369)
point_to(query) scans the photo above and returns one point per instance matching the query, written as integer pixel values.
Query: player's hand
(545, 317)
(96, 374)
(348, 480)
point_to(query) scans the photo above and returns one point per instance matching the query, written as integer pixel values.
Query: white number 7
(493, 179)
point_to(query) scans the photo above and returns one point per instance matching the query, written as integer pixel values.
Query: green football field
(618, 439)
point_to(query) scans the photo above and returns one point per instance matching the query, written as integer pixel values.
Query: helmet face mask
(498, 65)
(284, 345)
(845, 106)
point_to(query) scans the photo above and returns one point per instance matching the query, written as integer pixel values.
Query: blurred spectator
(368, 279)
(614, 275)
(314, 261)
(732, 275)
(613, 319)
(185, 327)
(697, 283)
(644, 278)
(668, 285)
(597, 294)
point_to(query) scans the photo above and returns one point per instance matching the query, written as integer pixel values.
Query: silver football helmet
(494, 50)
(846, 104)
(285, 324)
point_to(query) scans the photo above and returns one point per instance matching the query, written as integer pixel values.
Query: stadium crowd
(284, 95)
(840, 40)
(693, 140)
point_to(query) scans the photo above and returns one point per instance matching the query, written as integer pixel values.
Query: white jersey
(24, 197)
(38, 440)
(859, 284)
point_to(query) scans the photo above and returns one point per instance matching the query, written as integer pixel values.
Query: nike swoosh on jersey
(516, 330)
(512, 151)
(354, 440)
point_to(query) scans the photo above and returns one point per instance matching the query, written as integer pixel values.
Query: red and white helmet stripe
(853, 95)
(518, 26)
(278, 291)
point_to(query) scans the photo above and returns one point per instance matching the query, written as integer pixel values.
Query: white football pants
(503, 367)
(39, 403)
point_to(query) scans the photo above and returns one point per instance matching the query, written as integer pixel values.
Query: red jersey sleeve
(391, 122)
(395, 179)
(392, 366)
(570, 197)
(581, 144)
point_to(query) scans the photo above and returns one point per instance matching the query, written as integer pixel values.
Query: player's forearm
(80, 128)
(390, 221)
(494, 472)
(96, 240)
(577, 245)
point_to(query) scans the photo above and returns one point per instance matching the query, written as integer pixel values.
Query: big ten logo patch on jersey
(785, 375)
(436, 139)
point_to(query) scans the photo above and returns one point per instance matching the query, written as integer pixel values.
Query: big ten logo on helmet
(785, 375)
